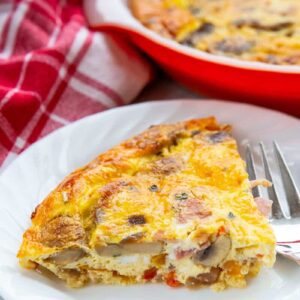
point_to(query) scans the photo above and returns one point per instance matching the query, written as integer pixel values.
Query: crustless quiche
(257, 30)
(172, 205)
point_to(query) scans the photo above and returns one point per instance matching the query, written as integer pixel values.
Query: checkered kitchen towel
(53, 71)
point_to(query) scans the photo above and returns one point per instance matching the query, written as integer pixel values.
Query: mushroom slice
(143, 248)
(111, 250)
(204, 278)
(214, 254)
(66, 256)
(210, 277)
(114, 250)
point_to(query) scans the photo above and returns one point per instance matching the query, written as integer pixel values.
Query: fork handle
(290, 250)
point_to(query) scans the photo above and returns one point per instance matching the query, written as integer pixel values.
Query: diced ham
(168, 165)
(144, 10)
(192, 209)
(159, 235)
(179, 253)
(264, 205)
(175, 18)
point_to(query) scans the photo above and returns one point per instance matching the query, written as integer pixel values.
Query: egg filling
(173, 205)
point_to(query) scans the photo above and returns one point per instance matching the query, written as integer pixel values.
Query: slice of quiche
(172, 205)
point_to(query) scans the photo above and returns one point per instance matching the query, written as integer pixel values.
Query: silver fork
(280, 210)
(285, 218)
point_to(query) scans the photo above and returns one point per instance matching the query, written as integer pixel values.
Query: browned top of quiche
(257, 30)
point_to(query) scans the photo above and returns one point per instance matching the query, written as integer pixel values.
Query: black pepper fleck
(137, 220)
(153, 188)
(231, 215)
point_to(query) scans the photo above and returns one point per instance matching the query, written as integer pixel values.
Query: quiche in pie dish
(256, 30)
(172, 204)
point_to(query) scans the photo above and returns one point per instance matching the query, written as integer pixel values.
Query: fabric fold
(54, 70)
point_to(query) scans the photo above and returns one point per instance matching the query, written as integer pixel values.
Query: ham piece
(264, 205)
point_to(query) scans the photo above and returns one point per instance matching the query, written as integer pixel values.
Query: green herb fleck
(153, 188)
(231, 215)
(182, 196)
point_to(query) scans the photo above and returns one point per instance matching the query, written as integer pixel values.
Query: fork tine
(277, 211)
(292, 193)
(251, 170)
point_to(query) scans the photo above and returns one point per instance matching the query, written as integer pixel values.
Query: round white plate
(39, 169)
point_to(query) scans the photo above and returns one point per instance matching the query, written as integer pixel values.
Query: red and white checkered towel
(53, 70)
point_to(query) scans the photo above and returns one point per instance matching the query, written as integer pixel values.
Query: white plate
(39, 169)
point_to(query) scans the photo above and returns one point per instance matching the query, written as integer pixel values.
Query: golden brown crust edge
(50, 229)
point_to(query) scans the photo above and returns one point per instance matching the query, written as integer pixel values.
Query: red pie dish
(275, 86)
